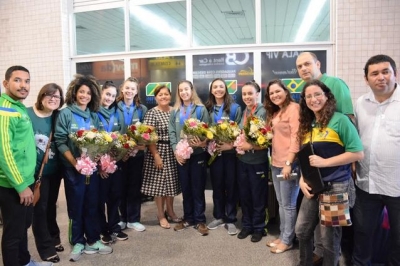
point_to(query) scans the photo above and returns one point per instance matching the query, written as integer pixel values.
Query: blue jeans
(367, 214)
(224, 185)
(308, 219)
(192, 176)
(286, 194)
(253, 194)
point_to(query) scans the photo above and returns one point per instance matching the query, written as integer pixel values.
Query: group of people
(101, 206)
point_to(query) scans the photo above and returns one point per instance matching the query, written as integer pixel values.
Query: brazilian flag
(152, 85)
(231, 85)
(294, 85)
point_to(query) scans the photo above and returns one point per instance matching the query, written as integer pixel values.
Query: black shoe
(53, 259)
(106, 239)
(120, 236)
(244, 233)
(257, 236)
(59, 248)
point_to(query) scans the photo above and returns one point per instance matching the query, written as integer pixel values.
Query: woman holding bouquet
(252, 171)
(223, 169)
(191, 172)
(160, 176)
(82, 101)
(283, 116)
(131, 111)
(44, 222)
(110, 184)
(336, 145)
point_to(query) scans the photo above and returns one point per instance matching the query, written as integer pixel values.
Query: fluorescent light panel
(313, 10)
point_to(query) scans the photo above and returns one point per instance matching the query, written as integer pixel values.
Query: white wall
(365, 28)
(35, 34)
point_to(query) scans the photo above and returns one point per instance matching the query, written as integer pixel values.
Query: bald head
(308, 66)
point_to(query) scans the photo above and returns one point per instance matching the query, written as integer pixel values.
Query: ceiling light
(313, 11)
(233, 14)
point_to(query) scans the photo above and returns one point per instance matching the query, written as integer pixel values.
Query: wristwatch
(288, 163)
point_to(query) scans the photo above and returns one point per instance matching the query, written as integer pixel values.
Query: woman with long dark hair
(283, 117)
(336, 145)
(83, 101)
(221, 106)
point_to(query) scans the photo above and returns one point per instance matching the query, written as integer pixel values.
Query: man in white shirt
(378, 174)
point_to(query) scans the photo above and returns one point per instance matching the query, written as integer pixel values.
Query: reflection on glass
(223, 22)
(157, 70)
(100, 31)
(103, 70)
(158, 26)
(295, 21)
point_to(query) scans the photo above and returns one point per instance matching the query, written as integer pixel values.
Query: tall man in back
(378, 174)
(17, 167)
(309, 68)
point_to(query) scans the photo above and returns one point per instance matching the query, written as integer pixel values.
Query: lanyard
(128, 115)
(107, 126)
(184, 115)
(82, 122)
(218, 116)
(251, 113)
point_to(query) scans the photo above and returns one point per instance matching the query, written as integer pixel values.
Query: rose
(79, 133)
(224, 126)
(126, 145)
(146, 136)
(133, 127)
(263, 131)
(192, 123)
(91, 135)
(204, 125)
(210, 135)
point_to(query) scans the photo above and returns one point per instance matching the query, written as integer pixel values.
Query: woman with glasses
(283, 117)
(131, 111)
(336, 145)
(110, 184)
(44, 222)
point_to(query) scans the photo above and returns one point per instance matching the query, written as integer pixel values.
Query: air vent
(233, 14)
(79, 27)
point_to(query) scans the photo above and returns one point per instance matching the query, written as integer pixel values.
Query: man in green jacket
(17, 167)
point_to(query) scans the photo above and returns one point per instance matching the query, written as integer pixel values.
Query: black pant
(54, 188)
(44, 241)
(16, 220)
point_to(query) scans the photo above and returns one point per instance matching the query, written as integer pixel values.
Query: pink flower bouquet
(183, 149)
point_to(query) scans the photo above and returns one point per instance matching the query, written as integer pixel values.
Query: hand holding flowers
(256, 132)
(183, 151)
(142, 134)
(195, 128)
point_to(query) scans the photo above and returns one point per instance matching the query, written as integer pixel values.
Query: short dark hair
(48, 90)
(10, 70)
(254, 84)
(159, 88)
(380, 58)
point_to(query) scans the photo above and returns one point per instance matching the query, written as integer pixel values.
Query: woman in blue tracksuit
(131, 111)
(221, 106)
(82, 101)
(253, 169)
(191, 172)
(110, 184)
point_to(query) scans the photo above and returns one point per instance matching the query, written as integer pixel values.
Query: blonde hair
(194, 98)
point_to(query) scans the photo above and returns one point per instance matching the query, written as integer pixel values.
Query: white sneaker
(214, 224)
(42, 263)
(136, 226)
(122, 225)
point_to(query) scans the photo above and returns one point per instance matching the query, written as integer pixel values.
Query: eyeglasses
(316, 95)
(53, 96)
